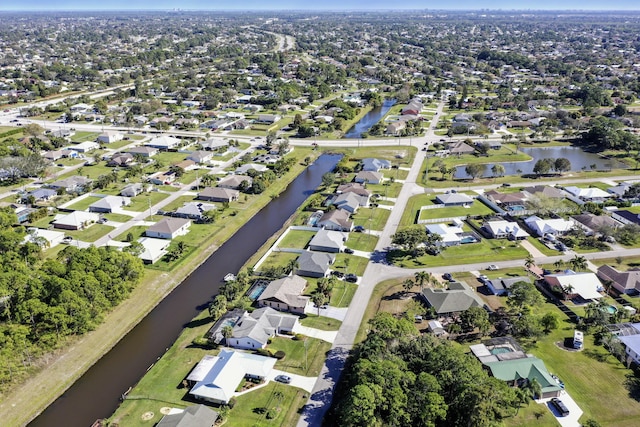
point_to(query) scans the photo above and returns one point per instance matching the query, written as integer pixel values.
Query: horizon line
(316, 10)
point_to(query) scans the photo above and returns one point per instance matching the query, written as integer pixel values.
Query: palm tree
(558, 264)
(578, 263)
(534, 387)
(227, 332)
(407, 285)
(319, 299)
(529, 262)
(292, 265)
(423, 277)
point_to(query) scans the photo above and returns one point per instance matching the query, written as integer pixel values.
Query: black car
(284, 379)
(348, 250)
(351, 278)
(338, 274)
(358, 229)
(447, 276)
(560, 407)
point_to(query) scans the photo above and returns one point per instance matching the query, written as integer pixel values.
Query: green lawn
(298, 239)
(390, 190)
(477, 208)
(356, 264)
(294, 360)
(410, 214)
(169, 158)
(90, 234)
(84, 203)
(534, 414)
(282, 400)
(117, 217)
(137, 231)
(140, 203)
(320, 322)
(485, 251)
(278, 259)
(362, 241)
(541, 247)
(371, 218)
(82, 136)
(177, 203)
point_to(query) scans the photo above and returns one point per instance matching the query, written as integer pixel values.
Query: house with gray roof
(143, 151)
(627, 282)
(350, 202)
(244, 169)
(314, 264)
(164, 142)
(216, 378)
(194, 210)
(454, 199)
(457, 298)
(254, 329)
(218, 194)
(76, 220)
(591, 223)
(328, 241)
(372, 164)
(72, 184)
(544, 191)
(169, 228)
(132, 190)
(234, 181)
(501, 285)
(40, 195)
(109, 204)
(191, 416)
(353, 187)
(369, 177)
(460, 148)
(200, 156)
(337, 219)
(285, 295)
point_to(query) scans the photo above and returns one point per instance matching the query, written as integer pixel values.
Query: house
(328, 241)
(349, 202)
(109, 137)
(109, 204)
(53, 155)
(191, 416)
(244, 169)
(353, 187)
(337, 219)
(186, 165)
(162, 178)
(593, 223)
(153, 249)
(164, 143)
(395, 128)
(458, 298)
(269, 159)
(450, 235)
(194, 210)
(40, 195)
(504, 230)
(169, 228)
(501, 285)
(132, 190)
(414, 107)
(213, 144)
(591, 194)
(23, 213)
(460, 148)
(121, 160)
(555, 226)
(234, 182)
(285, 295)
(631, 347)
(518, 372)
(268, 118)
(626, 282)
(506, 199)
(76, 220)
(369, 177)
(621, 189)
(543, 191)
(200, 156)
(585, 285)
(218, 194)
(374, 165)
(216, 378)
(626, 217)
(314, 264)
(72, 184)
(44, 238)
(143, 151)
(436, 328)
(254, 329)
(454, 199)
(84, 147)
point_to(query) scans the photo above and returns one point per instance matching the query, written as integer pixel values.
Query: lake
(370, 119)
(579, 160)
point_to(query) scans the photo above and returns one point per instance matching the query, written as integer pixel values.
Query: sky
(44, 5)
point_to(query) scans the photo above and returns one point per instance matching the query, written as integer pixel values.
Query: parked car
(348, 250)
(448, 276)
(67, 239)
(358, 229)
(338, 274)
(351, 278)
(560, 407)
(493, 267)
(284, 379)
(483, 278)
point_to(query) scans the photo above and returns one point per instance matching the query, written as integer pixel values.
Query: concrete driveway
(575, 412)
(337, 313)
(305, 383)
(328, 336)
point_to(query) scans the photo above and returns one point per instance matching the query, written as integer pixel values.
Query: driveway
(575, 412)
(328, 336)
(305, 383)
(337, 313)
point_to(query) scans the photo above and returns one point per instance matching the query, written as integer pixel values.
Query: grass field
(278, 259)
(83, 204)
(320, 322)
(477, 208)
(294, 360)
(362, 241)
(371, 218)
(140, 203)
(298, 239)
(90, 234)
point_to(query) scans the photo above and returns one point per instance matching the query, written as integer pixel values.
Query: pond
(580, 160)
(370, 119)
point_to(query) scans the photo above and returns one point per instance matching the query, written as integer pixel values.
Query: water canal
(369, 119)
(95, 395)
(580, 160)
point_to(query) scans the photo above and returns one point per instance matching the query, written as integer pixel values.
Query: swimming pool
(515, 208)
(611, 309)
(468, 239)
(257, 289)
(500, 350)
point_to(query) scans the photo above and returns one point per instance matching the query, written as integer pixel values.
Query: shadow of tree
(632, 383)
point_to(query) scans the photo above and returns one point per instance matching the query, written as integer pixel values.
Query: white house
(109, 204)
(109, 137)
(154, 249)
(84, 147)
(254, 329)
(555, 226)
(505, 229)
(169, 228)
(587, 285)
(164, 142)
(328, 241)
(45, 238)
(451, 235)
(591, 194)
(76, 220)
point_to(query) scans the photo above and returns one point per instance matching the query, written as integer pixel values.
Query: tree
(578, 263)
(475, 317)
(409, 238)
(562, 164)
(543, 166)
(407, 285)
(529, 262)
(475, 170)
(227, 332)
(33, 129)
(524, 295)
(497, 170)
(328, 179)
(319, 299)
(422, 277)
(549, 322)
(297, 121)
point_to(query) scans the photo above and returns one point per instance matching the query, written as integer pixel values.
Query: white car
(492, 267)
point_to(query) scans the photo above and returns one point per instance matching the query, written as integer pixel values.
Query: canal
(369, 119)
(580, 160)
(96, 394)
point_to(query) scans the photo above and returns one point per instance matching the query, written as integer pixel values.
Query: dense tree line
(42, 302)
(399, 378)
